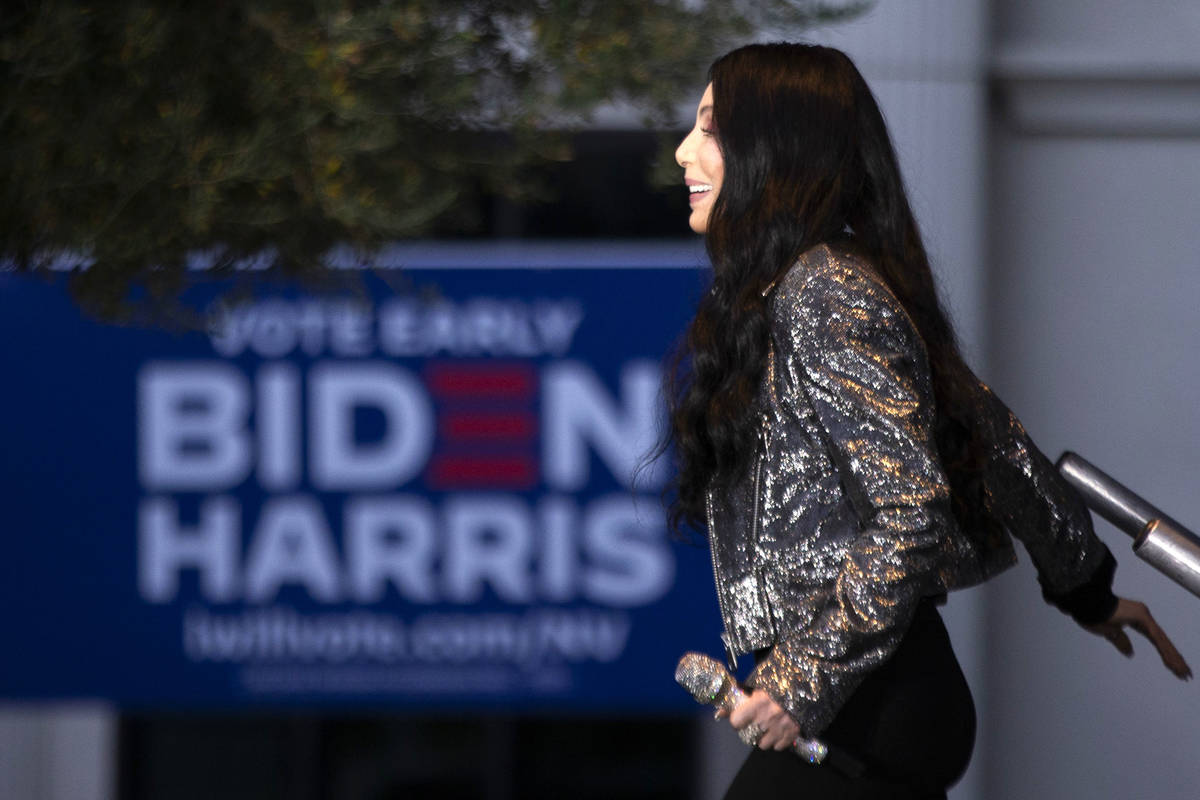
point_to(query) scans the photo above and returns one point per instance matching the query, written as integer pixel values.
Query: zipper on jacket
(730, 654)
(759, 457)
(756, 518)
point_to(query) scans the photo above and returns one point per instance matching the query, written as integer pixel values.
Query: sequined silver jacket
(842, 522)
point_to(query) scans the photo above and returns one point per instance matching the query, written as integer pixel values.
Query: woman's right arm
(1075, 569)
(1027, 494)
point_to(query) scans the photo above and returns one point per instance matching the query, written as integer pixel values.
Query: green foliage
(137, 133)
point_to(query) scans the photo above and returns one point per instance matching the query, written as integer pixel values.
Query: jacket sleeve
(1030, 497)
(849, 346)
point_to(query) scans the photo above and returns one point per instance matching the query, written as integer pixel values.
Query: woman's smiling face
(703, 167)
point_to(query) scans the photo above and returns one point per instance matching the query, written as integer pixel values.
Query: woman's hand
(1137, 616)
(758, 712)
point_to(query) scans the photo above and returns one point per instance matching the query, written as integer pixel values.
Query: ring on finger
(751, 733)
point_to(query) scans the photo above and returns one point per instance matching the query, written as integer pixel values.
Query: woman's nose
(682, 152)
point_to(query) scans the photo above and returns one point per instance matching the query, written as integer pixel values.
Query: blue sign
(417, 498)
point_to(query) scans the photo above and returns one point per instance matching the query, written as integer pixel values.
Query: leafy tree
(135, 134)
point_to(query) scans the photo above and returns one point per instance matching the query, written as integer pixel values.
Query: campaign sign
(394, 497)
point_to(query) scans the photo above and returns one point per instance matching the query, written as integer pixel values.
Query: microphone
(1157, 539)
(711, 684)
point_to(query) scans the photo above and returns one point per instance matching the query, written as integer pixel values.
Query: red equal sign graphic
(487, 425)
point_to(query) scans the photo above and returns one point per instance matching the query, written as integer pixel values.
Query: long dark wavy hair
(807, 160)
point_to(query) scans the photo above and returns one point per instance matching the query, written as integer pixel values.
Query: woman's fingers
(1144, 623)
(784, 734)
(767, 739)
(772, 740)
(1120, 640)
(745, 712)
(1137, 616)
(771, 726)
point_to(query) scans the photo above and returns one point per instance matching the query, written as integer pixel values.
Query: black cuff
(1092, 602)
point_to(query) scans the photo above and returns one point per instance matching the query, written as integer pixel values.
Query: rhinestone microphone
(708, 681)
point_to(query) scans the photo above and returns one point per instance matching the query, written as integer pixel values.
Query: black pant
(911, 722)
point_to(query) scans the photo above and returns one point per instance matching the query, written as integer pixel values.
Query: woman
(849, 466)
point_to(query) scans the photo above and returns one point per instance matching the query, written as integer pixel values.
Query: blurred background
(332, 336)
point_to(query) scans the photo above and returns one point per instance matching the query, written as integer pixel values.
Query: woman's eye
(707, 131)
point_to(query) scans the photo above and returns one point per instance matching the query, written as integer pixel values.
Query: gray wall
(61, 751)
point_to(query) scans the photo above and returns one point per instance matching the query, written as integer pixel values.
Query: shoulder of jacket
(825, 277)
(1001, 424)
